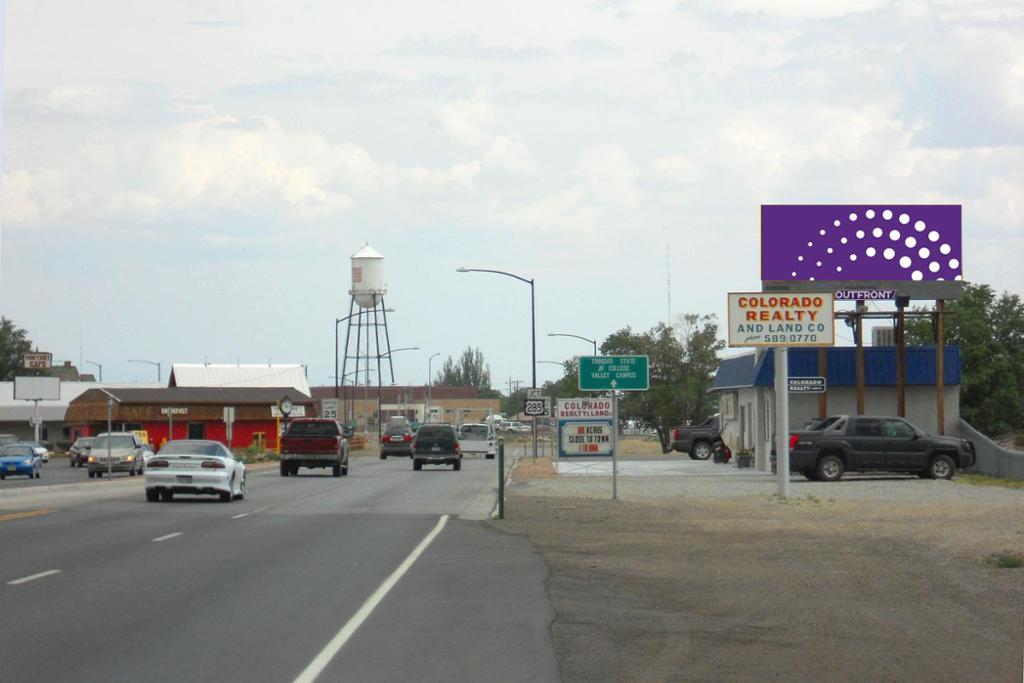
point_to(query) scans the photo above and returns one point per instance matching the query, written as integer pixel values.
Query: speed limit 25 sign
(537, 407)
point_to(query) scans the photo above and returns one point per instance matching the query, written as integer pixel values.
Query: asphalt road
(98, 585)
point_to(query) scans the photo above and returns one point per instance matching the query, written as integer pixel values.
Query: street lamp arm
(404, 348)
(575, 336)
(497, 272)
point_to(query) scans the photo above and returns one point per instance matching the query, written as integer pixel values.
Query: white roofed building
(247, 376)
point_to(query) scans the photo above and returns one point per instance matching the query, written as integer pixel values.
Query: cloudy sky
(187, 180)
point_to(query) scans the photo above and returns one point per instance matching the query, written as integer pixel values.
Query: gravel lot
(710, 576)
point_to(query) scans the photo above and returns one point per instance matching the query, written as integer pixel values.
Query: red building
(191, 412)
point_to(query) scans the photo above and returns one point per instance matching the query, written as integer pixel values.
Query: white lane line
(168, 536)
(265, 507)
(26, 579)
(321, 661)
(244, 514)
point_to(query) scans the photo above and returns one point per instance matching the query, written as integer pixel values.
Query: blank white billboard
(37, 388)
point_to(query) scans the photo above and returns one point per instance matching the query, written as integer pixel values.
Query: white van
(478, 439)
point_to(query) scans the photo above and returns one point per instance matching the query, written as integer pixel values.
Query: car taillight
(793, 438)
(675, 435)
(158, 463)
(212, 465)
(456, 446)
(385, 438)
(407, 437)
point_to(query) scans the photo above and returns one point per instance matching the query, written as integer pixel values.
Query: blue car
(19, 459)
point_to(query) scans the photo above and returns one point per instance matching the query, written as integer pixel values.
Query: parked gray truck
(699, 440)
(846, 443)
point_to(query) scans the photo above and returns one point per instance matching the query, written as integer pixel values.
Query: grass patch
(985, 480)
(1005, 560)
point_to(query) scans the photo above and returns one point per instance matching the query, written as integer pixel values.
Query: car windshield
(114, 440)
(84, 442)
(397, 431)
(15, 451)
(313, 429)
(474, 431)
(191, 448)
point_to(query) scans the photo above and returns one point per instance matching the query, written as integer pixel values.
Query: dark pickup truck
(314, 442)
(699, 440)
(847, 443)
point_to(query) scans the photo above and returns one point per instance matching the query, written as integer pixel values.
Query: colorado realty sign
(759, 319)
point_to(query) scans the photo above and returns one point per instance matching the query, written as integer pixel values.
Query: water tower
(365, 326)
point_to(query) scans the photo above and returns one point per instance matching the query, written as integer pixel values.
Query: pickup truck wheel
(383, 457)
(830, 468)
(490, 456)
(337, 469)
(284, 470)
(941, 467)
(152, 495)
(344, 471)
(701, 450)
(417, 465)
(166, 496)
(457, 465)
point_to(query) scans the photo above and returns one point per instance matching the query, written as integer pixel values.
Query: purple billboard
(861, 242)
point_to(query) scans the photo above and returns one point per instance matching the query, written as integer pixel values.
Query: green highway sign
(618, 373)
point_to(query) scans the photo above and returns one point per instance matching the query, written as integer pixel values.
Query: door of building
(197, 430)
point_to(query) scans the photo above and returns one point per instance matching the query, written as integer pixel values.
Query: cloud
(470, 123)
(466, 47)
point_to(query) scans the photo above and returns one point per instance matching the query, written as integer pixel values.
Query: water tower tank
(367, 277)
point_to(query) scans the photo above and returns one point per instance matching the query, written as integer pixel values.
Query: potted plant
(745, 459)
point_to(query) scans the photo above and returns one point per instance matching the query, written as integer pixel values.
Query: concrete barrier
(992, 459)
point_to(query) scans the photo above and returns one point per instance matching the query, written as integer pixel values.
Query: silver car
(116, 452)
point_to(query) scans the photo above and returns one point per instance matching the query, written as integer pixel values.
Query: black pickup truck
(698, 440)
(847, 443)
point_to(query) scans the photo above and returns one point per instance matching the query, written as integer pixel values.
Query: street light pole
(430, 384)
(388, 356)
(533, 332)
(150, 362)
(575, 336)
(98, 365)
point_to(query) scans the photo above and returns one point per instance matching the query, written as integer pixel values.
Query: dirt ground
(755, 588)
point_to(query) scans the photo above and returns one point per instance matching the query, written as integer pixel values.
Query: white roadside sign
(763, 319)
(587, 438)
(583, 409)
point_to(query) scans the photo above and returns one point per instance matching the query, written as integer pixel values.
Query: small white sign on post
(533, 393)
(329, 408)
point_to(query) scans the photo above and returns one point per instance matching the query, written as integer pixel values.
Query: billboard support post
(782, 419)
(858, 333)
(823, 372)
(35, 420)
(901, 356)
(940, 366)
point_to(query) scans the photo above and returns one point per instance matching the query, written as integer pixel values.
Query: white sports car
(195, 467)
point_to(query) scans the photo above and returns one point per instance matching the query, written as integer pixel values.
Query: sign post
(614, 374)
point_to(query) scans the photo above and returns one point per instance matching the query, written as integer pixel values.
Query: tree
(14, 344)
(680, 373)
(990, 333)
(469, 371)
